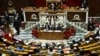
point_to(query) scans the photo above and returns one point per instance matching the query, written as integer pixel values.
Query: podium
(51, 35)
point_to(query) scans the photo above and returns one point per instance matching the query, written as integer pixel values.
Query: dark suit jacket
(7, 19)
(47, 27)
(17, 22)
(59, 28)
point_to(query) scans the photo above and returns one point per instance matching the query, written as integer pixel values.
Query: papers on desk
(57, 31)
(54, 31)
(50, 31)
(98, 37)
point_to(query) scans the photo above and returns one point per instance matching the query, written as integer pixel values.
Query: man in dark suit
(91, 25)
(7, 18)
(59, 27)
(47, 26)
(21, 14)
(17, 23)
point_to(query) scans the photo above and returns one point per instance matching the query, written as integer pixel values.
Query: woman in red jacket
(8, 36)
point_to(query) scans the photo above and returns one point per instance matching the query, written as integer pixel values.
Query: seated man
(47, 26)
(52, 27)
(59, 27)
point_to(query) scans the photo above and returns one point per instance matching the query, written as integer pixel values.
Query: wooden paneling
(51, 35)
(32, 16)
(94, 8)
(71, 16)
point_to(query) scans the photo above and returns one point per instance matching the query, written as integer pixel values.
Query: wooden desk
(51, 35)
(21, 53)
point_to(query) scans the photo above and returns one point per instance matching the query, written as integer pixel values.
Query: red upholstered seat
(69, 32)
(35, 32)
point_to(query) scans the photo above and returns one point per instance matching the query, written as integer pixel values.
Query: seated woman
(8, 35)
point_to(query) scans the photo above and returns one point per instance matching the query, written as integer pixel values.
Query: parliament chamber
(49, 28)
